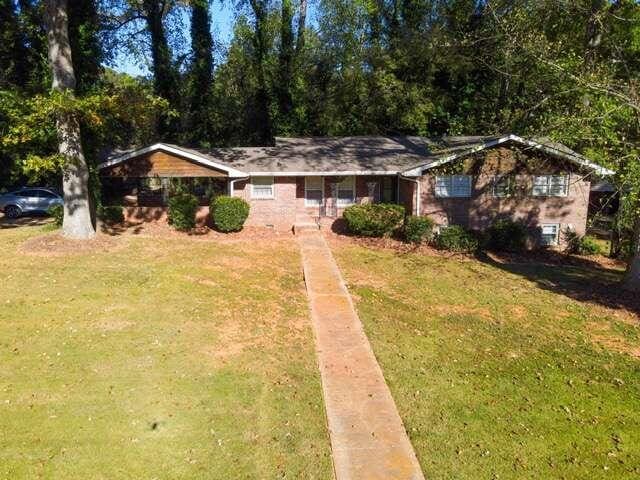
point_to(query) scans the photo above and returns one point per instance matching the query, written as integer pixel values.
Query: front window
(453, 186)
(550, 234)
(262, 187)
(346, 191)
(313, 191)
(550, 185)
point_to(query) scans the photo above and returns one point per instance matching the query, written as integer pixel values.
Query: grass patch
(163, 358)
(501, 371)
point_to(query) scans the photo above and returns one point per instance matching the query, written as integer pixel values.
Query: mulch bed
(54, 244)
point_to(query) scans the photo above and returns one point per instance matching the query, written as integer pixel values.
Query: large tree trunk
(632, 278)
(75, 174)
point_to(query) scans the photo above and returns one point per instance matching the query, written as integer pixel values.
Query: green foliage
(506, 235)
(457, 239)
(182, 211)
(110, 213)
(581, 245)
(589, 246)
(229, 213)
(57, 213)
(417, 229)
(373, 220)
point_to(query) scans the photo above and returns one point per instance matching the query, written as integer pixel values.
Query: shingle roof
(354, 155)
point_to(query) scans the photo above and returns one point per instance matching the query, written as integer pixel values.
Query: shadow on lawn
(576, 277)
(33, 219)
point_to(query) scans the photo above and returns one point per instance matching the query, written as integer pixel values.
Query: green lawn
(503, 370)
(157, 358)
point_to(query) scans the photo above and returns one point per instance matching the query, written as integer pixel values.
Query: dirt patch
(235, 337)
(201, 233)
(603, 335)
(519, 312)
(54, 244)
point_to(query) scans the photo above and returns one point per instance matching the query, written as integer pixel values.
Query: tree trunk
(302, 25)
(75, 174)
(262, 121)
(200, 128)
(632, 277)
(285, 100)
(165, 83)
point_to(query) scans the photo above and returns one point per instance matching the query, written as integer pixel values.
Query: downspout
(417, 182)
(232, 182)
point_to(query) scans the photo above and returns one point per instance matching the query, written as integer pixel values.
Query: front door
(314, 194)
(388, 189)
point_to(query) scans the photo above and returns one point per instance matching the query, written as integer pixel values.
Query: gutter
(232, 182)
(417, 191)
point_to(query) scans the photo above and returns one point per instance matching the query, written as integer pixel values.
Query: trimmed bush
(417, 229)
(182, 211)
(57, 213)
(110, 214)
(373, 220)
(506, 235)
(457, 239)
(229, 213)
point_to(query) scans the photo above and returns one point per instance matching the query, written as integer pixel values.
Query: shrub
(457, 239)
(417, 229)
(57, 212)
(229, 213)
(589, 246)
(373, 220)
(182, 211)
(110, 214)
(506, 235)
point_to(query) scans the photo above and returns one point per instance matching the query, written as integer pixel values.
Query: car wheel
(12, 211)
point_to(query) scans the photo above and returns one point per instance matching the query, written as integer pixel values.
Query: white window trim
(556, 242)
(548, 189)
(495, 179)
(306, 200)
(353, 193)
(263, 197)
(453, 195)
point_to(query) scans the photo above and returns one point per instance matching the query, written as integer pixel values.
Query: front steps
(305, 224)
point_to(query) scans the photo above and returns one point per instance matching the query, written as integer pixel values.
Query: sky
(223, 15)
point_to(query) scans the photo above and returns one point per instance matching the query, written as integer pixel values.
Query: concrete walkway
(368, 439)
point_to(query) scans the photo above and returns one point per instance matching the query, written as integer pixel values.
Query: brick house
(470, 181)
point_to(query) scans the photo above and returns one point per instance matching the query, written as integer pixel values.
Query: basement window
(550, 233)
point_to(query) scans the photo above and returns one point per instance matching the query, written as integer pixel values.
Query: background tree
(200, 131)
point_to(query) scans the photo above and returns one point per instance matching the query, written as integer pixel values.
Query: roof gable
(554, 149)
(172, 149)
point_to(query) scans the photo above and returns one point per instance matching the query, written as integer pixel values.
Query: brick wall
(278, 212)
(288, 205)
(483, 208)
